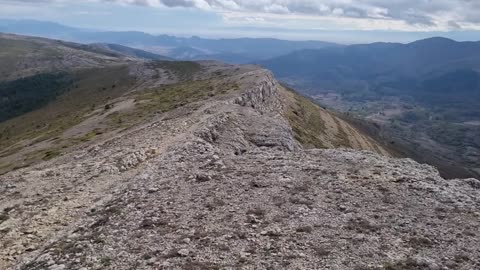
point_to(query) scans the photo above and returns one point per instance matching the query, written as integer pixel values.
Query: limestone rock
(234, 188)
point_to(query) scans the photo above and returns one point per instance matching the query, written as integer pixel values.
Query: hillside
(77, 92)
(424, 94)
(127, 51)
(204, 165)
(23, 56)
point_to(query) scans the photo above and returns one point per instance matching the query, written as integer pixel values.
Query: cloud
(454, 25)
(413, 12)
(438, 14)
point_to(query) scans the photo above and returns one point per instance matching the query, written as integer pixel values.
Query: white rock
(183, 252)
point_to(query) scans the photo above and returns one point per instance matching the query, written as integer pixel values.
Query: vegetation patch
(167, 98)
(27, 94)
(88, 90)
(51, 154)
(407, 264)
(342, 136)
(89, 135)
(183, 70)
(306, 121)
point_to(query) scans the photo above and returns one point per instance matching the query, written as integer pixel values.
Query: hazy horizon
(347, 22)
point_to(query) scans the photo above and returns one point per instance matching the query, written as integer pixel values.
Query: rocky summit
(241, 178)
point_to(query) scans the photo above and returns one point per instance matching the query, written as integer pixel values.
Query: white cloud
(275, 8)
(382, 14)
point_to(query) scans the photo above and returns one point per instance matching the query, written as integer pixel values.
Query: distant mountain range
(434, 70)
(241, 50)
(426, 94)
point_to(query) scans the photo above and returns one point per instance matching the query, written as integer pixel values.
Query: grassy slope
(38, 135)
(12, 51)
(315, 127)
(91, 88)
(306, 123)
(182, 70)
(167, 98)
(22, 56)
(23, 95)
(96, 77)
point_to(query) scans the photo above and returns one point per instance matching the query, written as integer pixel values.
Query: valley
(416, 101)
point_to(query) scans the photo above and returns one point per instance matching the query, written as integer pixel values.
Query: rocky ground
(223, 184)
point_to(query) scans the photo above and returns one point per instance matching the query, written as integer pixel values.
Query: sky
(343, 21)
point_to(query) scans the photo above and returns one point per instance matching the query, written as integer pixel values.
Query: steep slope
(315, 127)
(210, 174)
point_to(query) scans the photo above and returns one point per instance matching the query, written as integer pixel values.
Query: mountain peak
(433, 41)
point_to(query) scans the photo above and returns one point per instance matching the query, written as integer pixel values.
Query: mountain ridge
(93, 86)
(205, 165)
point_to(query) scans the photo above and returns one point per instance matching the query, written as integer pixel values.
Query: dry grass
(91, 88)
(306, 121)
(183, 70)
(167, 98)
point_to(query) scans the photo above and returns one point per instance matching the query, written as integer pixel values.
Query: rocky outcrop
(263, 95)
(225, 184)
